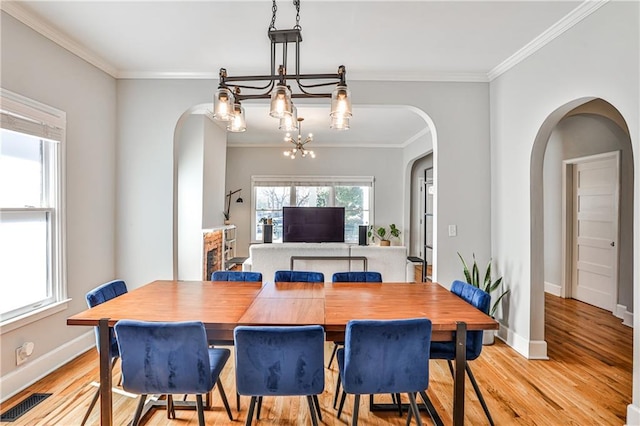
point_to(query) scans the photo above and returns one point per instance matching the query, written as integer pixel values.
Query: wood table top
(224, 305)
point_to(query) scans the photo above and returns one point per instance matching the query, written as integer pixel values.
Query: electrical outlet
(453, 230)
(20, 358)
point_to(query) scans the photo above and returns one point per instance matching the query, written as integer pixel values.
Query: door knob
(613, 243)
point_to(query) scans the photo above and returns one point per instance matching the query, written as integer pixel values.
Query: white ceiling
(375, 40)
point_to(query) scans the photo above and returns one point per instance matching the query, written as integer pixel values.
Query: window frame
(293, 181)
(32, 118)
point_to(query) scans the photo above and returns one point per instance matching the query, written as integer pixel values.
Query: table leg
(461, 360)
(105, 373)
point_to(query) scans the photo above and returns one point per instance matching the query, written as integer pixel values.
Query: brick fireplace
(212, 256)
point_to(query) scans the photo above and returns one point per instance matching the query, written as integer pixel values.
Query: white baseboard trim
(633, 415)
(626, 316)
(34, 370)
(530, 349)
(551, 288)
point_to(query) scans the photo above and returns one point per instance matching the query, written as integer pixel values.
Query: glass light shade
(339, 123)
(237, 123)
(281, 105)
(341, 102)
(289, 123)
(223, 104)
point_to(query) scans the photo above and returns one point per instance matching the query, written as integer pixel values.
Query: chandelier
(227, 103)
(299, 143)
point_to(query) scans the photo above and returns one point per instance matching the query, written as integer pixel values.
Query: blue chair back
(477, 298)
(164, 357)
(386, 356)
(101, 294)
(357, 277)
(283, 361)
(236, 276)
(299, 276)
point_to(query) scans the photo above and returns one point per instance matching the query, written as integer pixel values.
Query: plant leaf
(467, 275)
(475, 273)
(497, 302)
(487, 278)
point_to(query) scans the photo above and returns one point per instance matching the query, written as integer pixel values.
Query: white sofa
(391, 262)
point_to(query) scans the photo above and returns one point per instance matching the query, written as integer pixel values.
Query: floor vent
(13, 413)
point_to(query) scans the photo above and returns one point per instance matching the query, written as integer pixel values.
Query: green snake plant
(472, 276)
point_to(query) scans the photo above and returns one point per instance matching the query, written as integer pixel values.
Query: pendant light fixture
(299, 144)
(277, 85)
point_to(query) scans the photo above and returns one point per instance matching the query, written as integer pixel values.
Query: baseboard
(36, 369)
(530, 349)
(553, 289)
(626, 316)
(633, 415)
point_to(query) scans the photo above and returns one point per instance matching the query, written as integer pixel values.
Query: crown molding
(569, 21)
(317, 145)
(36, 23)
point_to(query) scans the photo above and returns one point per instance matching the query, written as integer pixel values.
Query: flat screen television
(313, 224)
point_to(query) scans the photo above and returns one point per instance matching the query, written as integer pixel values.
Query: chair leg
(171, 411)
(200, 410)
(317, 405)
(451, 368)
(138, 413)
(259, 408)
(95, 397)
(398, 400)
(312, 411)
(356, 406)
(435, 417)
(480, 397)
(252, 405)
(414, 408)
(333, 354)
(335, 397)
(224, 398)
(344, 396)
(237, 401)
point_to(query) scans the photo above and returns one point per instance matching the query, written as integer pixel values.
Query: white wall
(382, 163)
(596, 58)
(35, 67)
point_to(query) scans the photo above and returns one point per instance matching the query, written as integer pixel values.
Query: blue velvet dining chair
(299, 277)
(351, 277)
(385, 356)
(447, 350)
(246, 276)
(169, 358)
(280, 361)
(96, 297)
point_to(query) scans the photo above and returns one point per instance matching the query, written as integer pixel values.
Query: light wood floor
(587, 381)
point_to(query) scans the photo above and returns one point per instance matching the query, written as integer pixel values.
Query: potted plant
(472, 276)
(267, 229)
(383, 234)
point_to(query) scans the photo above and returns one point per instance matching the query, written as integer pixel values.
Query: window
(271, 193)
(31, 215)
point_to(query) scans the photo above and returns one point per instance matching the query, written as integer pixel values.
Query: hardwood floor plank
(586, 381)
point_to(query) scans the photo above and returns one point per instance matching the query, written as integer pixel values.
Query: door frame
(567, 221)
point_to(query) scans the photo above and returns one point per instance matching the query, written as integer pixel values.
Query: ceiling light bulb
(281, 105)
(223, 104)
(237, 123)
(341, 102)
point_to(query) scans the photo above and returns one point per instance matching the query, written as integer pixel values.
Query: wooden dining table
(221, 306)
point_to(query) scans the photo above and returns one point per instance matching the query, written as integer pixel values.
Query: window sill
(22, 320)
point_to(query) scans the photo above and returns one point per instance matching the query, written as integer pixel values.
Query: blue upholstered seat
(280, 361)
(236, 276)
(299, 277)
(95, 297)
(169, 358)
(447, 350)
(388, 356)
(357, 277)
(352, 277)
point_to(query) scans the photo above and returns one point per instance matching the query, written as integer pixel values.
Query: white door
(595, 231)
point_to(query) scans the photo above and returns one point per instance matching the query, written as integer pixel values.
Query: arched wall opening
(190, 156)
(566, 117)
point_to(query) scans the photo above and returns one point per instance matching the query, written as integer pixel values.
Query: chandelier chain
(274, 9)
(296, 3)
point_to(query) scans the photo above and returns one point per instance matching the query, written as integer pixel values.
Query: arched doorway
(562, 128)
